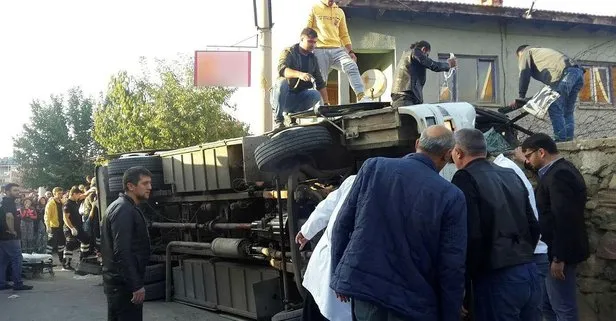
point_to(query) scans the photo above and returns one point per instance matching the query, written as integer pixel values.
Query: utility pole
(263, 22)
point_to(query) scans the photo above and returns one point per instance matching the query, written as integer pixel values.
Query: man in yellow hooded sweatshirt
(334, 49)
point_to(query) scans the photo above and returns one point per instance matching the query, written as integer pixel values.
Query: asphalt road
(68, 297)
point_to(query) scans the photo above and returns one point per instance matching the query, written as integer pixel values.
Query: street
(69, 297)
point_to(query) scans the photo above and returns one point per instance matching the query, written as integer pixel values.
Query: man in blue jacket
(399, 242)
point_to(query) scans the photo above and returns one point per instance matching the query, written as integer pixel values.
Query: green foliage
(165, 111)
(56, 147)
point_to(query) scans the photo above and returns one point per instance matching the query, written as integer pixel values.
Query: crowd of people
(401, 242)
(57, 221)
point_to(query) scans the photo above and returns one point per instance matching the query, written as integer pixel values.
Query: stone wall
(596, 160)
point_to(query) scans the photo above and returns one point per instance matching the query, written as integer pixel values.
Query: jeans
(10, 253)
(119, 306)
(562, 110)
(285, 100)
(366, 311)
(508, 294)
(562, 294)
(339, 59)
(543, 265)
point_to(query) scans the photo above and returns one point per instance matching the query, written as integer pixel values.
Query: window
(599, 85)
(473, 81)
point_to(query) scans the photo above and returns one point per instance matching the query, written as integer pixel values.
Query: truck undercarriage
(223, 215)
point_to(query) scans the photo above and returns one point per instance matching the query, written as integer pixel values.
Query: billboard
(222, 68)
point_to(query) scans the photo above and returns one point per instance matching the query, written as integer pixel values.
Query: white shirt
(503, 161)
(318, 271)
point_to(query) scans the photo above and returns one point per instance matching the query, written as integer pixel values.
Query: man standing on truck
(502, 235)
(399, 242)
(54, 222)
(321, 302)
(334, 48)
(125, 248)
(297, 66)
(411, 74)
(562, 74)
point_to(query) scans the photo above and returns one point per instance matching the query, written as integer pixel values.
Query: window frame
(611, 92)
(442, 57)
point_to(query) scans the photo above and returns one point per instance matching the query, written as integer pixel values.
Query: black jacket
(8, 206)
(292, 58)
(410, 75)
(503, 230)
(125, 244)
(561, 198)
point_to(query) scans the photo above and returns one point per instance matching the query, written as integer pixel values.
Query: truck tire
(291, 147)
(154, 273)
(294, 315)
(115, 182)
(119, 165)
(154, 291)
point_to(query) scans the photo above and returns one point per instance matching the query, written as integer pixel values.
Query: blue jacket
(400, 240)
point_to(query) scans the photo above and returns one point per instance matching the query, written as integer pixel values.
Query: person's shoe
(68, 267)
(22, 287)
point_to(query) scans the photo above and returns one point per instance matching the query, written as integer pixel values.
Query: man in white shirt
(541, 251)
(317, 276)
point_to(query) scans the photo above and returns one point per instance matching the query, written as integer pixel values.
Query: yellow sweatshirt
(330, 25)
(52, 217)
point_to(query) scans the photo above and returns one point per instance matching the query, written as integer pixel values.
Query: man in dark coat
(125, 247)
(561, 198)
(502, 234)
(411, 74)
(399, 241)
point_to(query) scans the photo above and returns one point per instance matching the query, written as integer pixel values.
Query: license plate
(540, 103)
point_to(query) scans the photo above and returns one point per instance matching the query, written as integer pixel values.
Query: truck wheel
(287, 315)
(119, 165)
(291, 147)
(115, 182)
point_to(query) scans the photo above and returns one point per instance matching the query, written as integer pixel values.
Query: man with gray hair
(399, 241)
(502, 234)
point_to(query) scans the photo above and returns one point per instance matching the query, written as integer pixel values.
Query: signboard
(222, 68)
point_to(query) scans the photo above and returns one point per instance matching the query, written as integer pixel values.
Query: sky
(47, 47)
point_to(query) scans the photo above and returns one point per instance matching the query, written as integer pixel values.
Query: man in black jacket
(411, 74)
(502, 234)
(126, 248)
(561, 198)
(297, 66)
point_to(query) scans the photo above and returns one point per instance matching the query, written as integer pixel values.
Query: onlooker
(411, 74)
(334, 48)
(293, 90)
(541, 250)
(126, 248)
(28, 217)
(91, 218)
(10, 246)
(39, 226)
(502, 234)
(561, 73)
(321, 302)
(561, 198)
(54, 221)
(399, 242)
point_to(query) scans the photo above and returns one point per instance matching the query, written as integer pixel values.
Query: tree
(142, 112)
(56, 147)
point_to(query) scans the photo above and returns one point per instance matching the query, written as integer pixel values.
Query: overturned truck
(223, 216)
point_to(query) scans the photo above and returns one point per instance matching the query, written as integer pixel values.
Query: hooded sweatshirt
(330, 25)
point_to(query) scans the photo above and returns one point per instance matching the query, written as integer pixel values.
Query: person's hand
(353, 56)
(342, 298)
(558, 270)
(74, 231)
(452, 62)
(464, 312)
(138, 296)
(301, 240)
(12, 232)
(305, 76)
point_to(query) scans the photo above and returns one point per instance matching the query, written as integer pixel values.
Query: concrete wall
(596, 160)
(479, 38)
